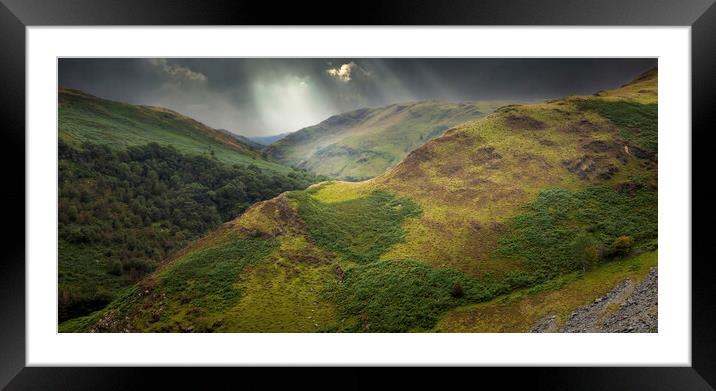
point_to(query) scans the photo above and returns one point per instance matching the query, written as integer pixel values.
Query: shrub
(586, 250)
(137, 268)
(115, 268)
(456, 291)
(518, 279)
(140, 265)
(650, 245)
(622, 245)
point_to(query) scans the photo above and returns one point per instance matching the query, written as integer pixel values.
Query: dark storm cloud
(268, 96)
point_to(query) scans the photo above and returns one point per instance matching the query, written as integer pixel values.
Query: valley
(480, 217)
(365, 143)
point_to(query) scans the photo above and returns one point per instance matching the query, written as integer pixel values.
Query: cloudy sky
(258, 97)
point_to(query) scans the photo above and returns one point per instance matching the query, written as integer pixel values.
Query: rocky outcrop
(591, 317)
(628, 308)
(638, 314)
(591, 168)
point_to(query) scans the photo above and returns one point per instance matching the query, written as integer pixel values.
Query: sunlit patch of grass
(337, 191)
(282, 296)
(643, 90)
(257, 219)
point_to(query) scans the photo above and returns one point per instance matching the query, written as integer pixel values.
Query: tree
(457, 291)
(586, 250)
(115, 268)
(622, 245)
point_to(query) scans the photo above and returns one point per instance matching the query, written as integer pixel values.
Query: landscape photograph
(357, 195)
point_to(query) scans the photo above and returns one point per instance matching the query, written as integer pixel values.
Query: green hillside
(365, 143)
(539, 206)
(86, 118)
(137, 184)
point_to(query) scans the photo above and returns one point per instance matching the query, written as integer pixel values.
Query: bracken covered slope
(524, 201)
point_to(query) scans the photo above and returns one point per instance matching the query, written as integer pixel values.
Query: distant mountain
(509, 223)
(364, 143)
(243, 139)
(267, 140)
(87, 118)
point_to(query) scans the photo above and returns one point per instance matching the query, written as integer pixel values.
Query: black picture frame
(15, 15)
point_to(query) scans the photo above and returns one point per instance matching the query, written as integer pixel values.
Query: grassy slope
(518, 311)
(365, 143)
(468, 186)
(471, 181)
(86, 118)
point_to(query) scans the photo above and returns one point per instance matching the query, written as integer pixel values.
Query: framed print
(475, 185)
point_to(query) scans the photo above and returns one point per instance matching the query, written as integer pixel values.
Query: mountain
(267, 140)
(243, 139)
(505, 223)
(138, 183)
(364, 143)
(86, 118)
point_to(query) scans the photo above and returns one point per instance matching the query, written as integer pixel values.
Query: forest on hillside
(123, 211)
